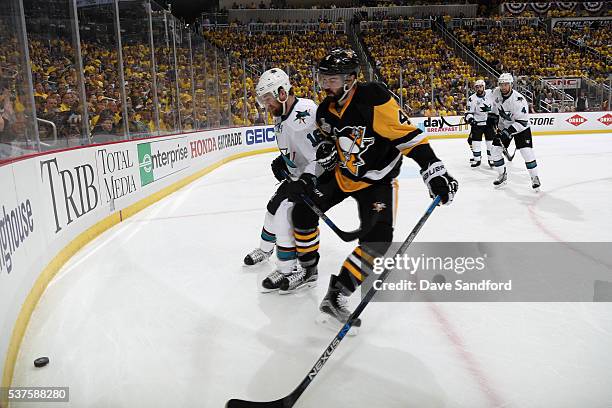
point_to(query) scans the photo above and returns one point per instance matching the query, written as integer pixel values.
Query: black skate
(272, 281)
(501, 180)
(334, 312)
(300, 278)
(256, 256)
(491, 163)
(535, 183)
(474, 162)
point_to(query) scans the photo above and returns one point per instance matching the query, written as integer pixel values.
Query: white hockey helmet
(270, 82)
(480, 82)
(505, 78)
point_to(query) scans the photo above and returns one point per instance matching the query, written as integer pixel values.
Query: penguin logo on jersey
(352, 144)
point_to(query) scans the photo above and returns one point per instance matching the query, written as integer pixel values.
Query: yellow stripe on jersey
(390, 121)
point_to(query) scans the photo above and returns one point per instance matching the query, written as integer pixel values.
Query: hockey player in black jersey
(371, 134)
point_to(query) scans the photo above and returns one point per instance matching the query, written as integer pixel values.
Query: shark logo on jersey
(505, 115)
(352, 143)
(485, 108)
(300, 116)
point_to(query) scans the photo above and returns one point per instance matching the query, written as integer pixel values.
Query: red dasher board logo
(606, 119)
(576, 120)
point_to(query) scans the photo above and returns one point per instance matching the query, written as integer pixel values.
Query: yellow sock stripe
(353, 270)
(311, 248)
(306, 237)
(364, 255)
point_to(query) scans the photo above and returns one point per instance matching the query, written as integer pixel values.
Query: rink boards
(53, 204)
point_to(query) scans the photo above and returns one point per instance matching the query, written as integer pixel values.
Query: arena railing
(110, 70)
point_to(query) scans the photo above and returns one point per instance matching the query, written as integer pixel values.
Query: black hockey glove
(304, 185)
(279, 168)
(505, 137)
(327, 156)
(471, 121)
(439, 182)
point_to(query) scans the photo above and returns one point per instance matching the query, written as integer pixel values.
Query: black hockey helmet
(339, 61)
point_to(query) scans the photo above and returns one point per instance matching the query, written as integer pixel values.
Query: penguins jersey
(296, 138)
(513, 111)
(481, 106)
(371, 132)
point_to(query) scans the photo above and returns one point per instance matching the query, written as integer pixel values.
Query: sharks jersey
(481, 106)
(296, 137)
(513, 111)
(371, 132)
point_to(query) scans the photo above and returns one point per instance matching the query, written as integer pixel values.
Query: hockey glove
(439, 182)
(471, 121)
(304, 185)
(505, 137)
(327, 156)
(279, 168)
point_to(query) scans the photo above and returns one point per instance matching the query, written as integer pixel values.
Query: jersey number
(315, 137)
(403, 119)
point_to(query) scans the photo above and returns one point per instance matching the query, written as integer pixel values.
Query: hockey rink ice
(159, 311)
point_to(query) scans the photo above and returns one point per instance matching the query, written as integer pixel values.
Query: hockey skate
(501, 180)
(272, 281)
(474, 162)
(535, 183)
(256, 256)
(334, 310)
(300, 278)
(491, 164)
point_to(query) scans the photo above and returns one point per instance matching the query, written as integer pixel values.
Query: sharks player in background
(294, 122)
(513, 111)
(481, 122)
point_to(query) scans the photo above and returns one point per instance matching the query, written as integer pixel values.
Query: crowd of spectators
(529, 50)
(207, 86)
(297, 52)
(421, 65)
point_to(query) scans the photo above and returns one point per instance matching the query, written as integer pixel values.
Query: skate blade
(328, 322)
(300, 288)
(537, 189)
(264, 290)
(497, 187)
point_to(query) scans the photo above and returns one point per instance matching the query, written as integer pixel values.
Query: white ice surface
(159, 312)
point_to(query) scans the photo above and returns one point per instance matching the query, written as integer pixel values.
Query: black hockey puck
(439, 279)
(41, 361)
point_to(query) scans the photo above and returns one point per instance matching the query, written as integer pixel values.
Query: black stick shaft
(290, 399)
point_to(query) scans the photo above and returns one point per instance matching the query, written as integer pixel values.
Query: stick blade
(237, 403)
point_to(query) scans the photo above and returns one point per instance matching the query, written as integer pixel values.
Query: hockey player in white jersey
(513, 111)
(296, 136)
(481, 122)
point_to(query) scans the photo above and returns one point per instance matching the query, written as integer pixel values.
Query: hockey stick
(289, 400)
(507, 154)
(443, 118)
(346, 236)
